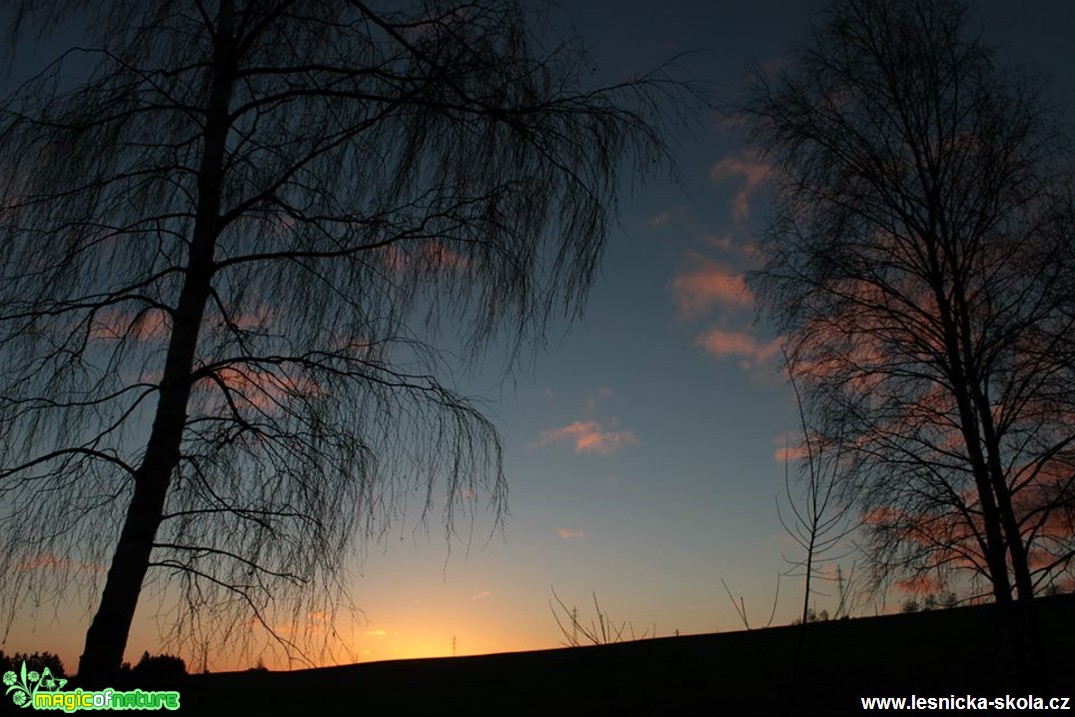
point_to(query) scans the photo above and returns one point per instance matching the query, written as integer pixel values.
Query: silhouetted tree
(158, 671)
(821, 517)
(227, 250)
(920, 265)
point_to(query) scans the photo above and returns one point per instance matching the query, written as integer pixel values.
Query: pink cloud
(790, 453)
(589, 437)
(752, 173)
(149, 325)
(482, 595)
(738, 344)
(710, 284)
(264, 390)
(568, 534)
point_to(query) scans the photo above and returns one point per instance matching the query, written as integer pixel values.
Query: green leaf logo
(27, 684)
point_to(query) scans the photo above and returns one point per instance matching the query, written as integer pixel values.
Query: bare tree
(227, 254)
(821, 518)
(920, 266)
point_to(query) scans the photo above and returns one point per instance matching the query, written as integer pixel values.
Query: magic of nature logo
(43, 691)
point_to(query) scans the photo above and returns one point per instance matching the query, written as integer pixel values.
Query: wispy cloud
(49, 561)
(316, 622)
(746, 168)
(791, 447)
(790, 453)
(375, 633)
(428, 256)
(482, 595)
(589, 437)
(569, 534)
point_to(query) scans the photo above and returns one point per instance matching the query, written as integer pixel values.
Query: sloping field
(822, 669)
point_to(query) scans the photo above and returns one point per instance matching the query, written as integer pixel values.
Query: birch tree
(920, 265)
(229, 250)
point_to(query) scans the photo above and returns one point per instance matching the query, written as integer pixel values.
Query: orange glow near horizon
(385, 641)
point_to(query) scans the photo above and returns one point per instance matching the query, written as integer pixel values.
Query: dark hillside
(929, 654)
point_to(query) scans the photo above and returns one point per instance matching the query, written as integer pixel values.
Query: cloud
(482, 595)
(752, 173)
(428, 256)
(710, 284)
(589, 437)
(264, 390)
(568, 534)
(790, 453)
(375, 633)
(148, 325)
(738, 344)
(438, 256)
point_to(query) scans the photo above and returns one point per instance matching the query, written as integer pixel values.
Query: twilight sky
(642, 447)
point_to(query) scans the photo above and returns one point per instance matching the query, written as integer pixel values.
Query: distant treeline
(36, 661)
(150, 668)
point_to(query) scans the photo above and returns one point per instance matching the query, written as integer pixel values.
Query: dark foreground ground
(929, 654)
(822, 669)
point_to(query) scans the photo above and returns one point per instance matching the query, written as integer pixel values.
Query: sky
(643, 445)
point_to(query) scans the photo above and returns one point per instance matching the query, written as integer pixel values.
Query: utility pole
(453, 645)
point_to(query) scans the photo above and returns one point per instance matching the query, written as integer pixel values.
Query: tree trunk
(1020, 621)
(995, 553)
(1025, 639)
(107, 636)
